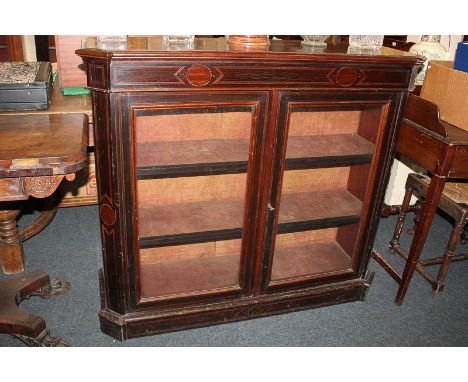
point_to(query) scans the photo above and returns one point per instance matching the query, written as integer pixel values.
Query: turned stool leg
(464, 235)
(450, 251)
(11, 247)
(401, 218)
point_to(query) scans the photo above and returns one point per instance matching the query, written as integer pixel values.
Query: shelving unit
(202, 157)
(236, 184)
(222, 219)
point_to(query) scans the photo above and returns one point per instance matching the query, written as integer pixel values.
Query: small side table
(36, 153)
(440, 148)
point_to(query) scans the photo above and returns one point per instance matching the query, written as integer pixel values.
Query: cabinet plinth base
(138, 324)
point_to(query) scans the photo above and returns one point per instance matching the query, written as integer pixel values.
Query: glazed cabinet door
(193, 212)
(330, 156)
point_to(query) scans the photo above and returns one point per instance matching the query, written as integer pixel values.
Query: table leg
(11, 247)
(428, 210)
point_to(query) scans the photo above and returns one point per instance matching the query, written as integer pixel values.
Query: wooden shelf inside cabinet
(186, 275)
(211, 157)
(188, 223)
(191, 158)
(305, 211)
(331, 150)
(312, 259)
(199, 222)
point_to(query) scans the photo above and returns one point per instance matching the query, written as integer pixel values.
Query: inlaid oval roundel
(107, 214)
(199, 75)
(346, 76)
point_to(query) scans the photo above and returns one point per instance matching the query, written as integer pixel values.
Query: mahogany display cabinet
(238, 184)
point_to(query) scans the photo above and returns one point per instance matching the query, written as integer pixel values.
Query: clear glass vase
(314, 40)
(115, 42)
(186, 39)
(364, 41)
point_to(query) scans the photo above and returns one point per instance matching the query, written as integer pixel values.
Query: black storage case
(25, 85)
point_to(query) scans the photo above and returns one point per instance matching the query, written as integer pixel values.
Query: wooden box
(25, 85)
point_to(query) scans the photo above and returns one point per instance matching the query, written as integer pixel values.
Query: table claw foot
(43, 340)
(56, 287)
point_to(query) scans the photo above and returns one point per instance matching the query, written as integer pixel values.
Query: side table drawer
(420, 147)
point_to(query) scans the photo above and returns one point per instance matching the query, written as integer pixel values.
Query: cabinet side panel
(108, 211)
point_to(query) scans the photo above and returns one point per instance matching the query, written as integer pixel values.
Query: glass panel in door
(329, 151)
(191, 166)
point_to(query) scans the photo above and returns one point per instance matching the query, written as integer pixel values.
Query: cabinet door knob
(270, 207)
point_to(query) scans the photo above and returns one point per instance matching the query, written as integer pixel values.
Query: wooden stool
(454, 202)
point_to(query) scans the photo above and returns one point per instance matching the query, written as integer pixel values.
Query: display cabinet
(238, 184)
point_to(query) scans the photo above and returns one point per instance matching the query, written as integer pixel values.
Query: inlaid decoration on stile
(107, 214)
(199, 75)
(96, 75)
(346, 76)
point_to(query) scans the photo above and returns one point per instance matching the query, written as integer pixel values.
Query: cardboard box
(83, 190)
(448, 88)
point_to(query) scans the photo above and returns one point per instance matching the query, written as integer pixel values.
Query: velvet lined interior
(185, 205)
(176, 219)
(309, 253)
(189, 274)
(190, 251)
(225, 151)
(309, 259)
(191, 204)
(191, 189)
(306, 123)
(193, 126)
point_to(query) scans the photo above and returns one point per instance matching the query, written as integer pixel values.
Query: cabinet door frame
(125, 106)
(391, 102)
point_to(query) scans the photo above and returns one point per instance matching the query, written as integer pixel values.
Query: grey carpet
(70, 248)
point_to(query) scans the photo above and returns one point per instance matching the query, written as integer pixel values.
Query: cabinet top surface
(148, 47)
